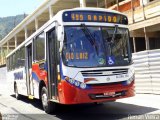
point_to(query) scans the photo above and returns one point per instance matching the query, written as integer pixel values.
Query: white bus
(81, 55)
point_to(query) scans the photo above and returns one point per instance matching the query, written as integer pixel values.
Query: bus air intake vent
(104, 72)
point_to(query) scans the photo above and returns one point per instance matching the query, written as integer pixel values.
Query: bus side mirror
(60, 33)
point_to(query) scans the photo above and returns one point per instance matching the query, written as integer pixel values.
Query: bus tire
(48, 106)
(17, 95)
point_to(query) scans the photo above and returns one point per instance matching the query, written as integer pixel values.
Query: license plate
(109, 93)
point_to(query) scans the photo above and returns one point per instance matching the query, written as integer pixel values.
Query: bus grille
(104, 72)
(102, 96)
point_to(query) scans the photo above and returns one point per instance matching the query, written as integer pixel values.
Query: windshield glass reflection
(94, 47)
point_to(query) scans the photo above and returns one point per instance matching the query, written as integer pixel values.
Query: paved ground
(137, 107)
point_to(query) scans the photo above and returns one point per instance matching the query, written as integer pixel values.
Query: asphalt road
(122, 109)
(128, 108)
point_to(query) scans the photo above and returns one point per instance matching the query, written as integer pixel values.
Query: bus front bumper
(69, 94)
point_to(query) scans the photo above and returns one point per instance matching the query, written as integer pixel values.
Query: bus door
(52, 61)
(29, 70)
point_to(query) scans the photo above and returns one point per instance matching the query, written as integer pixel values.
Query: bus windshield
(86, 46)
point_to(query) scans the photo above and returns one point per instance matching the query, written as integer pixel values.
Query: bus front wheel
(48, 106)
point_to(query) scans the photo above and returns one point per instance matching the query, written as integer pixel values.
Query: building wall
(154, 43)
(127, 6)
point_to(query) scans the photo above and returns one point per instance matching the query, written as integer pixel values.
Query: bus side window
(16, 59)
(39, 47)
(8, 64)
(21, 57)
(13, 61)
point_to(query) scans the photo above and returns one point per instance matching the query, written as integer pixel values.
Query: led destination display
(94, 16)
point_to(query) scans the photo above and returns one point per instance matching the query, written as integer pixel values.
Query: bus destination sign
(94, 16)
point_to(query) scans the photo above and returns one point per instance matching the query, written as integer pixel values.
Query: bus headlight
(71, 80)
(83, 85)
(77, 83)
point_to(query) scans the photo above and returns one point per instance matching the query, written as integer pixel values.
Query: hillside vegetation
(8, 23)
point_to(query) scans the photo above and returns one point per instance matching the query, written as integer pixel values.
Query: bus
(81, 55)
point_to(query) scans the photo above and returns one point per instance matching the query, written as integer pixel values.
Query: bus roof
(92, 9)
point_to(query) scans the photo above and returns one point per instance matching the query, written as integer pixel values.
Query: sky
(15, 7)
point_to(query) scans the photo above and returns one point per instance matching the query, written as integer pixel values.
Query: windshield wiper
(114, 34)
(91, 38)
(111, 42)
